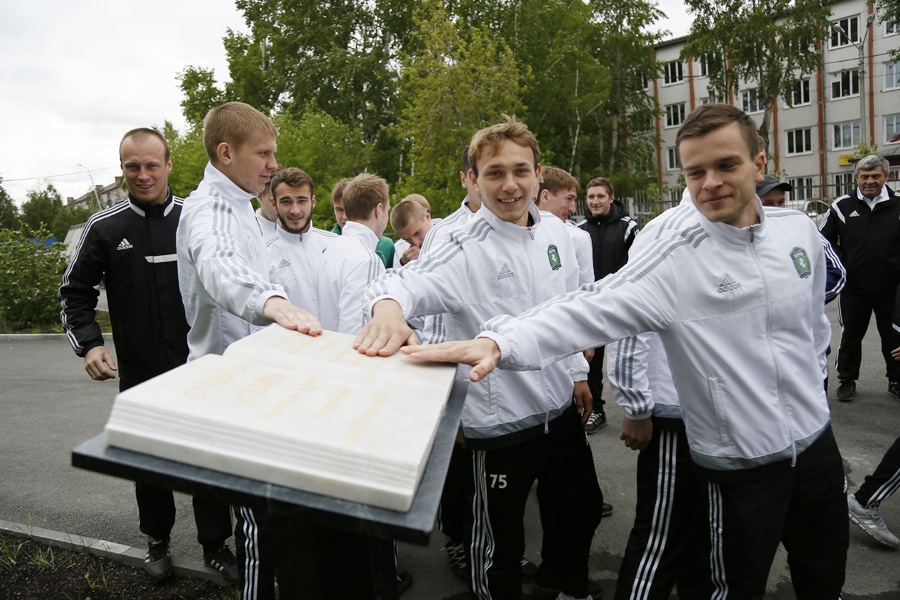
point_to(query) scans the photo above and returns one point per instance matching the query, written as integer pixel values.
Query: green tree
(67, 217)
(30, 272)
(457, 81)
(889, 10)
(188, 158)
(768, 42)
(9, 212)
(41, 208)
(199, 94)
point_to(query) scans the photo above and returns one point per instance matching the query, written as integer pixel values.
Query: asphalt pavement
(48, 405)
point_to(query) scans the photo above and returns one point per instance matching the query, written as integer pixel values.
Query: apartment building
(813, 139)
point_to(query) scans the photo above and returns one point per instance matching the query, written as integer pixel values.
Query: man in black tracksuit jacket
(612, 232)
(131, 246)
(864, 228)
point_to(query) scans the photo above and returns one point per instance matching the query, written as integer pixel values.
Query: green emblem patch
(801, 262)
(553, 256)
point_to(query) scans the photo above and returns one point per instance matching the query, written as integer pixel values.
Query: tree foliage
(41, 208)
(30, 272)
(9, 212)
(767, 42)
(411, 82)
(457, 79)
(188, 158)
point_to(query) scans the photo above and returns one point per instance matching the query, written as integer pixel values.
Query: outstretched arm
(386, 332)
(481, 354)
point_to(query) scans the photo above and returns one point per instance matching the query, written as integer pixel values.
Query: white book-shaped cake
(281, 407)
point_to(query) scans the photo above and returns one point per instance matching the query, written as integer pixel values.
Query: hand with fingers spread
(279, 310)
(481, 353)
(386, 332)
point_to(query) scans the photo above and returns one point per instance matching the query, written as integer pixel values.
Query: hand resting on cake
(386, 332)
(287, 315)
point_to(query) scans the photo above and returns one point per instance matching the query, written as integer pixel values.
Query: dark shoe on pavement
(223, 561)
(529, 570)
(404, 583)
(456, 555)
(846, 391)
(596, 421)
(607, 510)
(549, 584)
(894, 389)
(158, 562)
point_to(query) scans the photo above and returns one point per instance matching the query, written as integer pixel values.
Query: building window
(799, 141)
(752, 101)
(845, 83)
(716, 99)
(705, 64)
(846, 134)
(892, 128)
(673, 162)
(803, 188)
(674, 114)
(891, 75)
(841, 29)
(673, 72)
(800, 93)
(892, 26)
(844, 184)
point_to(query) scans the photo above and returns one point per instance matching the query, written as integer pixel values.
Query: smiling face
(871, 181)
(506, 178)
(146, 170)
(599, 200)
(295, 205)
(250, 165)
(721, 175)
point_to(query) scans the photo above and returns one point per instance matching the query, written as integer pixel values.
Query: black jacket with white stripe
(132, 247)
(867, 241)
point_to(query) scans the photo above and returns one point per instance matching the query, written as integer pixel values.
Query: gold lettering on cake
(335, 401)
(361, 422)
(259, 387)
(283, 405)
(216, 380)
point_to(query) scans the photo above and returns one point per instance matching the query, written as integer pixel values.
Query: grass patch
(11, 327)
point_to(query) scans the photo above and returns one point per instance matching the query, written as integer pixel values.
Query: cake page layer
(325, 422)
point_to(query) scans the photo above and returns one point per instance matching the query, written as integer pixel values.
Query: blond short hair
(233, 123)
(557, 180)
(407, 211)
(490, 138)
(363, 193)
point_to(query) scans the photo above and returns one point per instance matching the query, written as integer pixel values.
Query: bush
(30, 274)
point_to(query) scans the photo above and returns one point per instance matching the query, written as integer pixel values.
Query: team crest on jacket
(553, 256)
(801, 262)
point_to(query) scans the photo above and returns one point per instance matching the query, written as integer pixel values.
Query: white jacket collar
(737, 236)
(360, 232)
(502, 226)
(226, 188)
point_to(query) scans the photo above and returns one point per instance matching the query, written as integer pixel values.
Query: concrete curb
(31, 337)
(126, 555)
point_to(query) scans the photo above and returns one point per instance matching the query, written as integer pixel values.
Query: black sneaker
(223, 561)
(529, 570)
(894, 389)
(596, 421)
(607, 510)
(404, 583)
(456, 555)
(550, 584)
(158, 563)
(846, 391)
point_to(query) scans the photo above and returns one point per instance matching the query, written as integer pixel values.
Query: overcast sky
(75, 76)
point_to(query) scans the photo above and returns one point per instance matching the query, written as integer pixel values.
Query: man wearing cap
(771, 191)
(864, 227)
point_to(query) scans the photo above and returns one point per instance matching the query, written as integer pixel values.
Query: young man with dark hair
(612, 232)
(735, 294)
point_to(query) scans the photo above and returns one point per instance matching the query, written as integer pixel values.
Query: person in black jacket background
(612, 232)
(132, 247)
(864, 227)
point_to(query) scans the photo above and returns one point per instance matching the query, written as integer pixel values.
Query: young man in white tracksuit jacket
(520, 426)
(223, 278)
(736, 296)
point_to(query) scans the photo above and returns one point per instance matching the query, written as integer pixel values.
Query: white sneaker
(871, 521)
